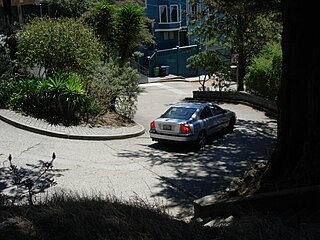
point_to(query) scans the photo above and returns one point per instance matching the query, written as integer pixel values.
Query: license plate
(167, 127)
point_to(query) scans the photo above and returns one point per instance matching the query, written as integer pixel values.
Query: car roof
(192, 104)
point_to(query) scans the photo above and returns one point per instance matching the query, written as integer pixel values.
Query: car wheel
(232, 122)
(202, 139)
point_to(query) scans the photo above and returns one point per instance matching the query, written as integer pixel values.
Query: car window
(206, 112)
(179, 113)
(216, 110)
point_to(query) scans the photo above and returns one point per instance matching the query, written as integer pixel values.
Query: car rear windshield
(179, 113)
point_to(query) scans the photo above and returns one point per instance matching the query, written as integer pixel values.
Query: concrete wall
(238, 97)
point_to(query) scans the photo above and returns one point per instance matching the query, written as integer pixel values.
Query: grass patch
(76, 218)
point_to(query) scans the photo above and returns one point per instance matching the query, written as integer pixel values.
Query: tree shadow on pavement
(186, 173)
(33, 172)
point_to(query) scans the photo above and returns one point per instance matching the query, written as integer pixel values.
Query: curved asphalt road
(170, 176)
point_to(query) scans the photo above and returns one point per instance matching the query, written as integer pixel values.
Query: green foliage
(264, 74)
(130, 30)
(243, 26)
(210, 63)
(5, 61)
(122, 28)
(102, 18)
(62, 94)
(7, 82)
(115, 88)
(26, 95)
(7, 88)
(58, 44)
(68, 8)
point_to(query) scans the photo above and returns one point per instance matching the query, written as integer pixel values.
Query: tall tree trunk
(241, 71)
(7, 11)
(296, 159)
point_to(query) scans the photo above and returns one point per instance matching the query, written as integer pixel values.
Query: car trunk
(168, 125)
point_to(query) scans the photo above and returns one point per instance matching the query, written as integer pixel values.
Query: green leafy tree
(264, 73)
(53, 44)
(211, 64)
(68, 8)
(131, 31)
(102, 18)
(242, 26)
(121, 28)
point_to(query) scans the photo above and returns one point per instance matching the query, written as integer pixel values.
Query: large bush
(7, 83)
(68, 8)
(114, 88)
(264, 74)
(53, 44)
(62, 95)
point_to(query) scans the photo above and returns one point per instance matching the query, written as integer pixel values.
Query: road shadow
(40, 174)
(186, 173)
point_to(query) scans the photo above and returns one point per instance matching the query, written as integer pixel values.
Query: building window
(168, 35)
(174, 13)
(163, 14)
(194, 8)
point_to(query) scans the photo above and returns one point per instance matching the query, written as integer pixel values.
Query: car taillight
(152, 125)
(185, 128)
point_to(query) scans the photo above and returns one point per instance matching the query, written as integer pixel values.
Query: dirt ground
(110, 119)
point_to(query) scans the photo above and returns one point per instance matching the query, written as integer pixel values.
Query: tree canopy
(53, 44)
(121, 28)
(242, 26)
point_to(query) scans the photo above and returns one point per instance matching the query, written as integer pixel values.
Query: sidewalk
(169, 78)
(172, 77)
(81, 132)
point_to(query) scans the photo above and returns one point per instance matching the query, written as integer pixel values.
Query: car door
(220, 118)
(207, 119)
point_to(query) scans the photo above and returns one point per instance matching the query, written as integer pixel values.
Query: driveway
(170, 176)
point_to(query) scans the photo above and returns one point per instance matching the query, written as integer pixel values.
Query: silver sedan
(191, 122)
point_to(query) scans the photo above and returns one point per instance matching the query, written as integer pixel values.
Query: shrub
(62, 94)
(5, 61)
(115, 88)
(212, 65)
(264, 74)
(68, 8)
(7, 87)
(25, 96)
(54, 44)
(7, 83)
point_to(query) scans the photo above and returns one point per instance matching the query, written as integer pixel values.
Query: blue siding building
(168, 22)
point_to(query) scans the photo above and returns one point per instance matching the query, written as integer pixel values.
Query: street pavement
(137, 168)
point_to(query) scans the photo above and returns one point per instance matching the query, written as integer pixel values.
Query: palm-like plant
(130, 31)
(102, 18)
(65, 92)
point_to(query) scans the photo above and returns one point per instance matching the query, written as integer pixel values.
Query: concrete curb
(51, 133)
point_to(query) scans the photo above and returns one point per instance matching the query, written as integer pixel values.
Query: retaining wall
(238, 97)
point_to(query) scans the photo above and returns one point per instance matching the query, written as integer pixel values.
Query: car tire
(202, 139)
(232, 122)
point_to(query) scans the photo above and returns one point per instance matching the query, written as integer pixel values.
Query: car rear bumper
(177, 138)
